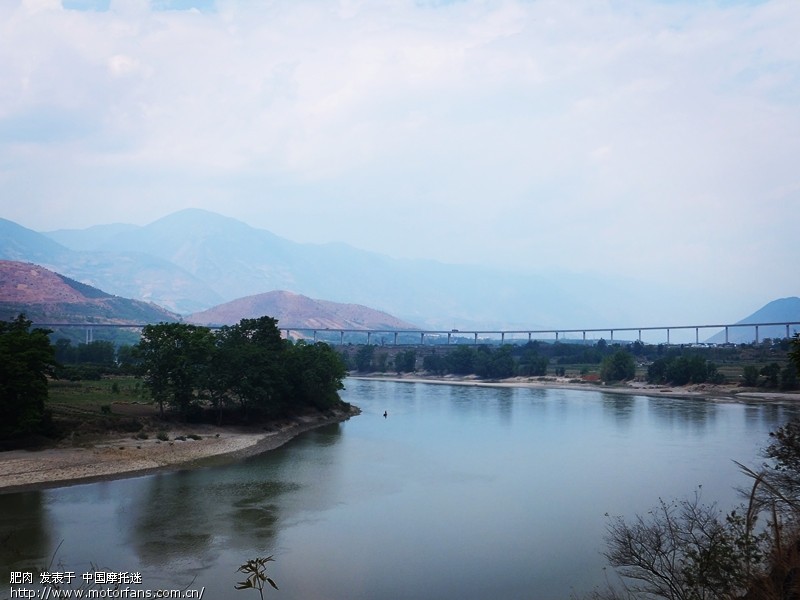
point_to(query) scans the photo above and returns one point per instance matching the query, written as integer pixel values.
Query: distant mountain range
(193, 260)
(777, 311)
(47, 297)
(44, 296)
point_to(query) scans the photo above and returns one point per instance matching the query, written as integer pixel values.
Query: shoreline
(119, 456)
(707, 391)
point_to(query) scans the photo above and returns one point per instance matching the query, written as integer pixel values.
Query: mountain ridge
(46, 296)
(781, 310)
(296, 310)
(193, 260)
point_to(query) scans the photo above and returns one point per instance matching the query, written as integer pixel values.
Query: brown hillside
(45, 296)
(299, 311)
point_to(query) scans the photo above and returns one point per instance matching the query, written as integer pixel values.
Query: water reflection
(620, 408)
(24, 532)
(696, 415)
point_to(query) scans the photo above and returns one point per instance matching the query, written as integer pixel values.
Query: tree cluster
(247, 366)
(682, 370)
(26, 359)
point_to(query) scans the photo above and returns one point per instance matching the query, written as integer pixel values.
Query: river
(459, 492)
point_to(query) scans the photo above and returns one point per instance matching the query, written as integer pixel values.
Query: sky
(650, 139)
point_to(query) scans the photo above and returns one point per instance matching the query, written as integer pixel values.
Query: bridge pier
(726, 335)
(369, 338)
(696, 335)
(476, 338)
(756, 334)
(341, 338)
(395, 338)
(667, 336)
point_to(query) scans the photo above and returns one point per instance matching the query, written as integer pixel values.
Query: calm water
(462, 492)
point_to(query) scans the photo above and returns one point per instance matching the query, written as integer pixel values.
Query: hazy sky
(653, 139)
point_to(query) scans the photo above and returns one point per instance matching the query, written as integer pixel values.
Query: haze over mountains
(777, 311)
(193, 260)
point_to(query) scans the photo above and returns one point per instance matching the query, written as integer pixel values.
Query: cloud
(643, 137)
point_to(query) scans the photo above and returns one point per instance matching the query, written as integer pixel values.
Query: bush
(620, 366)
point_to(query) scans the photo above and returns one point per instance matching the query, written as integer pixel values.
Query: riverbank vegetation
(690, 550)
(766, 364)
(241, 374)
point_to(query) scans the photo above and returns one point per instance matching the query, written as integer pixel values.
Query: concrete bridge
(442, 336)
(501, 336)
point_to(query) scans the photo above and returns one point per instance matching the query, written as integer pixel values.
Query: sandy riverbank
(722, 393)
(123, 456)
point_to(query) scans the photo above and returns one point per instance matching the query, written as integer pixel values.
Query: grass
(91, 396)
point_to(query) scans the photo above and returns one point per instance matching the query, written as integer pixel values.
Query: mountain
(45, 296)
(299, 311)
(131, 274)
(777, 311)
(215, 259)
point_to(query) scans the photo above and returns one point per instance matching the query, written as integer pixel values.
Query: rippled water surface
(461, 492)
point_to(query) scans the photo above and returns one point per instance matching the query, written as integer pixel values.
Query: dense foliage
(762, 364)
(681, 370)
(26, 358)
(620, 366)
(248, 366)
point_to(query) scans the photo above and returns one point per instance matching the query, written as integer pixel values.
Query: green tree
(434, 363)
(98, 352)
(461, 361)
(794, 353)
(620, 366)
(789, 377)
(500, 363)
(175, 359)
(771, 373)
(364, 358)
(405, 361)
(315, 373)
(750, 376)
(250, 366)
(532, 363)
(26, 359)
(381, 359)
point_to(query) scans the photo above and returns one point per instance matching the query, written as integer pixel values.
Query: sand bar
(123, 456)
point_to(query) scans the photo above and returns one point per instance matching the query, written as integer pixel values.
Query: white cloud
(654, 138)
